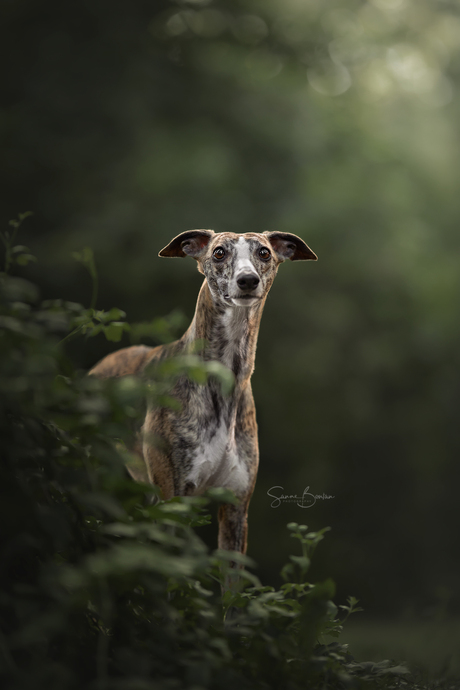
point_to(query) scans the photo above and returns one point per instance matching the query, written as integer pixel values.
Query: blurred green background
(125, 123)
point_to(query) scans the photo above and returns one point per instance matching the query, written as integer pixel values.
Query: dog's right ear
(192, 243)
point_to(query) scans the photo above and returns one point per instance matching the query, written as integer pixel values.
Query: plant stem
(95, 288)
(71, 334)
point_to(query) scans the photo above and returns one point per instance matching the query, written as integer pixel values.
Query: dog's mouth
(237, 299)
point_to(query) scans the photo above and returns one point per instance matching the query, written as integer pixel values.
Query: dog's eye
(264, 254)
(219, 253)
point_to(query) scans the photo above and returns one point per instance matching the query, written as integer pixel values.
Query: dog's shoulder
(129, 361)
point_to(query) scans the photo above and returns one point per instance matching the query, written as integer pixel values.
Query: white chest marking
(216, 463)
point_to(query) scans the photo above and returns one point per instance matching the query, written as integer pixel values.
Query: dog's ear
(288, 246)
(191, 243)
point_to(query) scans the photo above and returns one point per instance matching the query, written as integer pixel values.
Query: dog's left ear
(190, 243)
(288, 246)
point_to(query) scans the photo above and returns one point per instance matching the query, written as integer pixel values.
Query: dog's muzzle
(248, 282)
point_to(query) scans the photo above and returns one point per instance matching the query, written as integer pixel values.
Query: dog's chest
(216, 460)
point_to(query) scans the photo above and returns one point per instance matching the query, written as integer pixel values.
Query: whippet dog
(211, 441)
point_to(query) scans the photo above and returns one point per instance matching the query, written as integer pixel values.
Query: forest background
(123, 124)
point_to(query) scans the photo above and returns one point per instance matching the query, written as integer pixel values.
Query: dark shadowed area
(123, 124)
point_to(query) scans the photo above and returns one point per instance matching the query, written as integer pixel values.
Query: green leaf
(302, 561)
(233, 556)
(95, 331)
(114, 315)
(19, 290)
(323, 590)
(399, 670)
(24, 259)
(115, 330)
(222, 495)
(86, 257)
(288, 572)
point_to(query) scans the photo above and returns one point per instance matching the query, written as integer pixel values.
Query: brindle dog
(212, 440)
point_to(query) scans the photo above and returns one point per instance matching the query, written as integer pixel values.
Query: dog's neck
(229, 333)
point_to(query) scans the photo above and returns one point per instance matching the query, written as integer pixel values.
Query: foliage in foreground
(101, 587)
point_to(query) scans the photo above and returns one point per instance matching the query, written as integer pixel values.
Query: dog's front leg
(233, 527)
(233, 534)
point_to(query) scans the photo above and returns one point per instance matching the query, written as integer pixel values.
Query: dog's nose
(248, 282)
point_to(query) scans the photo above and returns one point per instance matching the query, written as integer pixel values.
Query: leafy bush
(104, 586)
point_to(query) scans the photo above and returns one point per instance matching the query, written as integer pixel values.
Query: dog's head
(239, 268)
